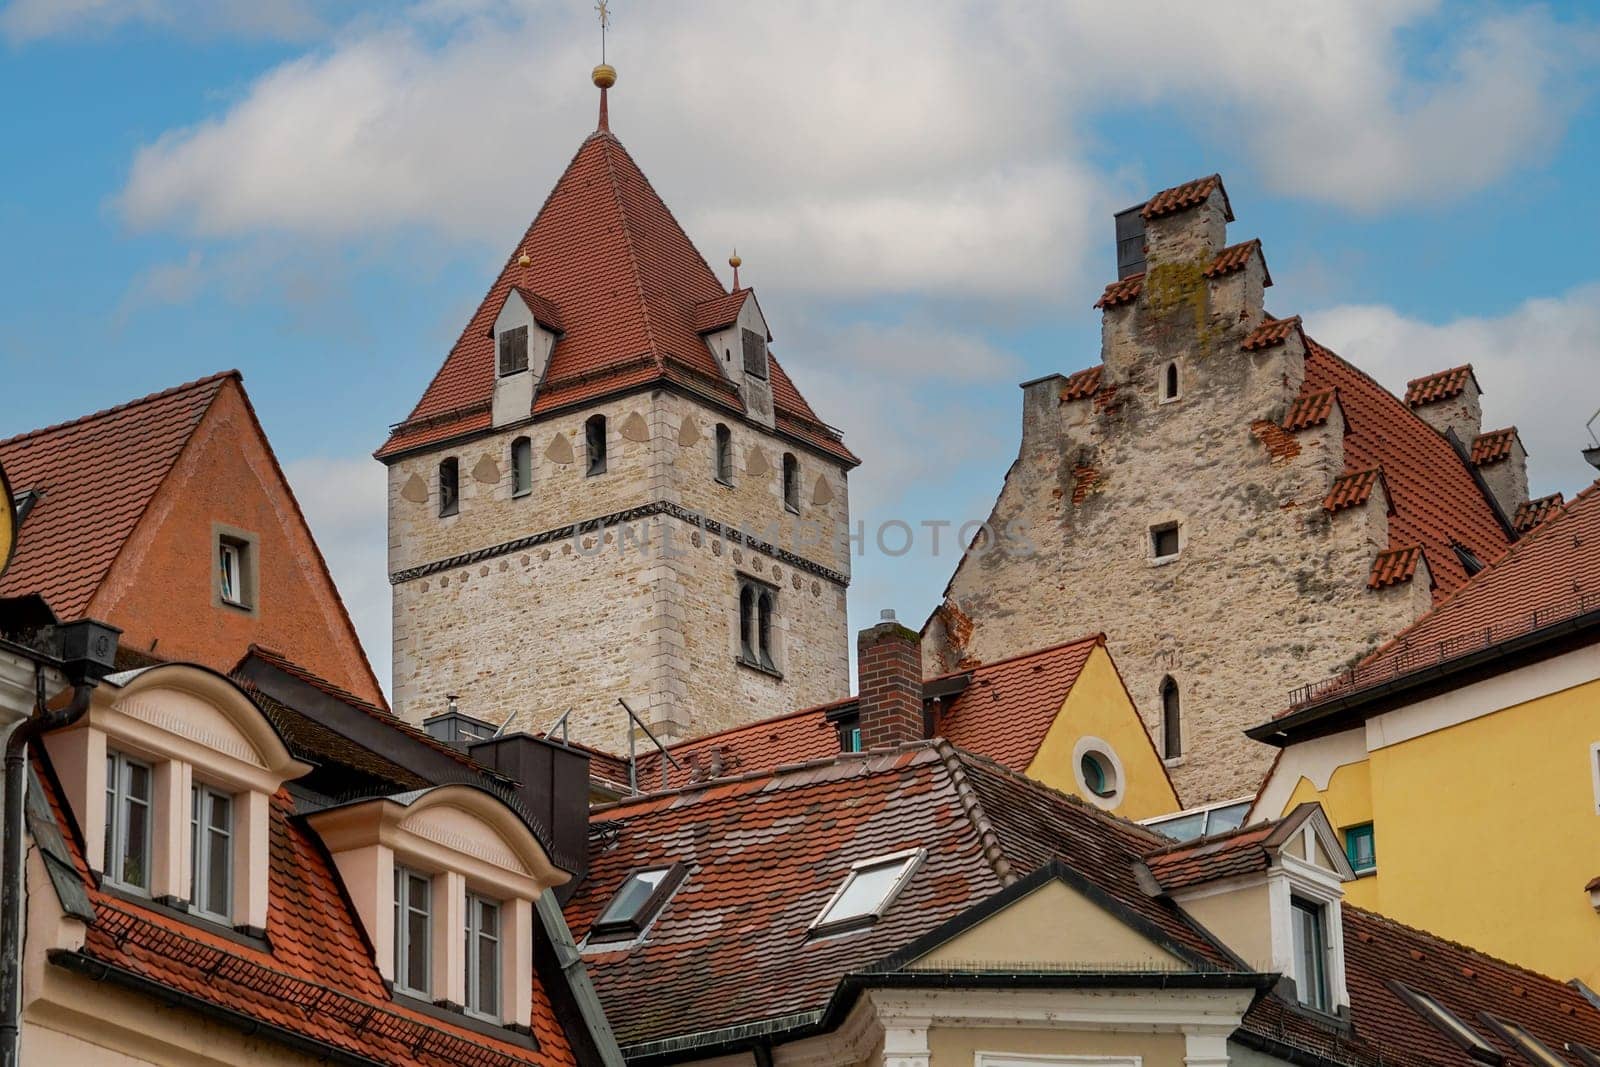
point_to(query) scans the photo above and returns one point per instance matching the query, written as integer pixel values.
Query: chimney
(1449, 401)
(889, 662)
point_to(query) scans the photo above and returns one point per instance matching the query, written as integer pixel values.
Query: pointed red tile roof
(1442, 385)
(1533, 512)
(1185, 196)
(96, 476)
(627, 285)
(1493, 446)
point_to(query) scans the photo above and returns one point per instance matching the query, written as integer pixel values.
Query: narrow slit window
(413, 932)
(1310, 953)
(791, 482)
(1169, 382)
(638, 900)
(1171, 719)
(594, 438)
(724, 439)
(211, 853)
(764, 629)
(747, 623)
(483, 957)
(867, 892)
(521, 467)
(449, 486)
(513, 350)
(126, 860)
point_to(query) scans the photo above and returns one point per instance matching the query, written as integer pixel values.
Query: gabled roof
(1532, 512)
(1182, 197)
(1548, 578)
(623, 281)
(96, 475)
(1441, 385)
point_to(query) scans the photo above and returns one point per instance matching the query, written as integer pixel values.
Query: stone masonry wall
(563, 620)
(1268, 590)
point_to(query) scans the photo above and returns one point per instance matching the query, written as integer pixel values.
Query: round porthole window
(1101, 780)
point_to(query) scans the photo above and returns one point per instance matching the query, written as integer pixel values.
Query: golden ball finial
(524, 260)
(605, 76)
(735, 262)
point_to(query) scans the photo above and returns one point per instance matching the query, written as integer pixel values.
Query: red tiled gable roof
(627, 281)
(1122, 291)
(545, 313)
(1532, 512)
(1493, 446)
(763, 862)
(719, 311)
(1443, 385)
(1185, 196)
(796, 737)
(1393, 566)
(1229, 260)
(97, 475)
(1312, 407)
(318, 979)
(1271, 332)
(1222, 856)
(1351, 488)
(1083, 384)
(1433, 496)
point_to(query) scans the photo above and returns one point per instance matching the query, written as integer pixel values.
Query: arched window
(521, 467)
(747, 623)
(764, 629)
(1171, 720)
(1169, 382)
(594, 438)
(724, 455)
(449, 486)
(791, 482)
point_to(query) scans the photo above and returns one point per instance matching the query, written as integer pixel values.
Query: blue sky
(317, 194)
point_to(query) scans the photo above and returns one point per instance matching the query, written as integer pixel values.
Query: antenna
(1592, 453)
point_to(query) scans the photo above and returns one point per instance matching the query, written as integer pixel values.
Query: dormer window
(413, 932)
(211, 852)
(638, 901)
(1309, 920)
(483, 957)
(867, 892)
(127, 825)
(755, 353)
(513, 350)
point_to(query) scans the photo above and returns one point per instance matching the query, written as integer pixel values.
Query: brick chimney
(889, 663)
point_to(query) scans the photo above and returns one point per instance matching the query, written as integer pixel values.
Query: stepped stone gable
(569, 587)
(1228, 500)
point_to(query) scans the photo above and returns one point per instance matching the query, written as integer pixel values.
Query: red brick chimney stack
(889, 663)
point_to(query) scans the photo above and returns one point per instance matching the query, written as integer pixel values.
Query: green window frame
(1361, 848)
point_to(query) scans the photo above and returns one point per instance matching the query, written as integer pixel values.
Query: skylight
(637, 901)
(1532, 1049)
(867, 891)
(1440, 1016)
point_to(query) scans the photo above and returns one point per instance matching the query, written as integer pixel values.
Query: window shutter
(513, 351)
(755, 354)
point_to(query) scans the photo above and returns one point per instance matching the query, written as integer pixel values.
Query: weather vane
(605, 22)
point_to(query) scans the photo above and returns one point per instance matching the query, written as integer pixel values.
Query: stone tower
(612, 490)
(1238, 508)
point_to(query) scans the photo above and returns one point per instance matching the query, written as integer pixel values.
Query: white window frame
(117, 797)
(1317, 912)
(909, 859)
(200, 833)
(402, 931)
(231, 556)
(1102, 751)
(473, 996)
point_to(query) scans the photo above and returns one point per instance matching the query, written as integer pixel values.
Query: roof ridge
(1439, 374)
(633, 250)
(783, 716)
(972, 808)
(124, 406)
(1097, 638)
(1120, 821)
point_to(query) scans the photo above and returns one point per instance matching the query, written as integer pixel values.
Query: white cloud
(29, 20)
(344, 502)
(1538, 364)
(858, 149)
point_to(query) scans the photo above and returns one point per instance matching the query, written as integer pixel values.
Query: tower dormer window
(513, 350)
(791, 482)
(594, 439)
(127, 826)
(724, 458)
(755, 353)
(449, 486)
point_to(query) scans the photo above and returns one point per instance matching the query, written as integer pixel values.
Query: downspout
(89, 649)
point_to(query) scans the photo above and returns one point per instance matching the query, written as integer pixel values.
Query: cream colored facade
(508, 607)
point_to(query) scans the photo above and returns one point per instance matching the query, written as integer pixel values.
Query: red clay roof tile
(1082, 384)
(1393, 566)
(1351, 488)
(1221, 856)
(545, 313)
(1182, 197)
(719, 311)
(1271, 332)
(1493, 446)
(1312, 407)
(1431, 388)
(1122, 291)
(1235, 258)
(1532, 512)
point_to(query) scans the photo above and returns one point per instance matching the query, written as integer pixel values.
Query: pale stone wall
(646, 609)
(1268, 591)
(1508, 481)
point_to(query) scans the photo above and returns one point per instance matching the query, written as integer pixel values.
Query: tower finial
(734, 261)
(604, 75)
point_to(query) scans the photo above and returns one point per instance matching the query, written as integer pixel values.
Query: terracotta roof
(1312, 407)
(1209, 858)
(628, 283)
(545, 313)
(719, 311)
(1122, 291)
(1236, 258)
(1083, 384)
(1531, 513)
(1393, 566)
(1551, 574)
(1352, 488)
(1188, 195)
(1271, 332)
(1493, 446)
(96, 476)
(317, 979)
(1443, 385)
(1433, 496)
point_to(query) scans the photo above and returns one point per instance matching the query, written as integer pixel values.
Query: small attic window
(638, 900)
(513, 350)
(867, 892)
(1468, 558)
(1441, 1018)
(1164, 542)
(755, 354)
(24, 504)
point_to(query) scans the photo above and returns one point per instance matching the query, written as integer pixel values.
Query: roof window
(1468, 558)
(1440, 1017)
(1202, 822)
(1586, 1056)
(1532, 1049)
(867, 892)
(637, 902)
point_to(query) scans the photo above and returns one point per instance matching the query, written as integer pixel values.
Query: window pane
(418, 933)
(219, 859)
(111, 820)
(196, 861)
(138, 781)
(488, 977)
(136, 835)
(1186, 828)
(632, 896)
(866, 891)
(1309, 955)
(488, 919)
